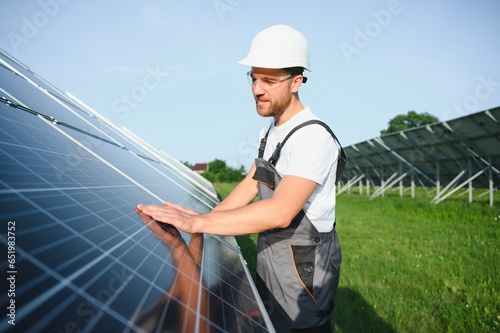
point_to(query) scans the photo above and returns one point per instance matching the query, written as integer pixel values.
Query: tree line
(218, 171)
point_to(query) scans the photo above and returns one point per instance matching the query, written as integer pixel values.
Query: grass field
(411, 266)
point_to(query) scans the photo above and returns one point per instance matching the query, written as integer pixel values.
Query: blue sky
(168, 71)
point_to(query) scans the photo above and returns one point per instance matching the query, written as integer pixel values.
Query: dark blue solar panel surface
(85, 260)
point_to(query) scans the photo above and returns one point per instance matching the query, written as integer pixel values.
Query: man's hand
(173, 214)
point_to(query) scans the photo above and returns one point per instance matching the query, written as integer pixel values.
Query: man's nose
(257, 89)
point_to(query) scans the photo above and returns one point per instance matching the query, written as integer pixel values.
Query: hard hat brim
(248, 61)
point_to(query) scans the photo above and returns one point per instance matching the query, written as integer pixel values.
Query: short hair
(293, 71)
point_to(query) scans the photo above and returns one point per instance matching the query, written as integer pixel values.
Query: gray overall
(297, 267)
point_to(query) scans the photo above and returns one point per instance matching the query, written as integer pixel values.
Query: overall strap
(263, 141)
(277, 152)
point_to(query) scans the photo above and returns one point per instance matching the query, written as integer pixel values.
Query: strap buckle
(276, 154)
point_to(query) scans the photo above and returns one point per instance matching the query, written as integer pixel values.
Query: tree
(410, 120)
(218, 171)
(187, 164)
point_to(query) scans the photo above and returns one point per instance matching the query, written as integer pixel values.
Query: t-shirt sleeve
(312, 153)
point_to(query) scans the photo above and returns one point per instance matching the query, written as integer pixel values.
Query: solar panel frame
(466, 148)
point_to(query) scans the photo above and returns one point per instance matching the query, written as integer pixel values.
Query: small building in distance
(200, 167)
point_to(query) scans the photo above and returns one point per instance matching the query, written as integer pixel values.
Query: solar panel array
(76, 255)
(447, 156)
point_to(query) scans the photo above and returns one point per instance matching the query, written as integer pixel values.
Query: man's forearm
(243, 194)
(255, 217)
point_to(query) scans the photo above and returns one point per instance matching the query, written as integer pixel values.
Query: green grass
(411, 266)
(224, 188)
(418, 267)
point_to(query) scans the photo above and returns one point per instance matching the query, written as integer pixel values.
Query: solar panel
(76, 255)
(457, 152)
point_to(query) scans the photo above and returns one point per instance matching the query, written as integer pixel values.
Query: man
(299, 256)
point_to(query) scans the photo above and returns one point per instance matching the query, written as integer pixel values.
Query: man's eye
(269, 82)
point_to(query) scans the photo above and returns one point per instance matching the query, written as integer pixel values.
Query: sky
(167, 70)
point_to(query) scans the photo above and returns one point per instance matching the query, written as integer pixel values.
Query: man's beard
(275, 108)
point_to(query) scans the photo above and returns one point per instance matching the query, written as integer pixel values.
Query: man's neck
(294, 108)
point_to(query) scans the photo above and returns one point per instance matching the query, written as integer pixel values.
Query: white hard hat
(279, 46)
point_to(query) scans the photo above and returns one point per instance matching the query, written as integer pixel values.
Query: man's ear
(297, 81)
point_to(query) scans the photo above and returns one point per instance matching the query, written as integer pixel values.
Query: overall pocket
(336, 257)
(303, 259)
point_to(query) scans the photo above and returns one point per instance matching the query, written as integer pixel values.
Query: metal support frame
(437, 200)
(389, 183)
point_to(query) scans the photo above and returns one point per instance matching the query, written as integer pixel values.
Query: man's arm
(244, 193)
(276, 212)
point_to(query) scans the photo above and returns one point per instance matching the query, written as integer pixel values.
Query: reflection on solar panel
(76, 255)
(446, 156)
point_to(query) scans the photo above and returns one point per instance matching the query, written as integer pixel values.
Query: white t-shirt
(310, 153)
